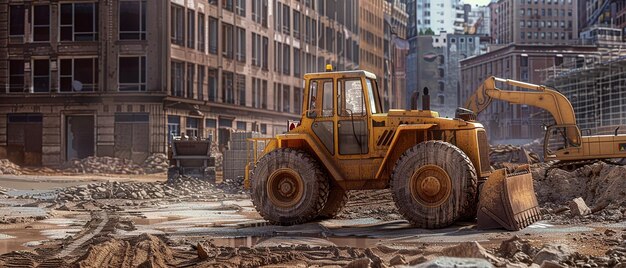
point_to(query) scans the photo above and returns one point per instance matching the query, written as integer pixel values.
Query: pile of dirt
(601, 188)
(501, 154)
(104, 165)
(233, 186)
(142, 251)
(9, 168)
(156, 163)
(179, 188)
(376, 204)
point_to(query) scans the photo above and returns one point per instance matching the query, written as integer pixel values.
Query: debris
(202, 254)
(445, 262)
(156, 163)
(104, 165)
(578, 207)
(359, 263)
(143, 251)
(470, 250)
(9, 168)
(397, 260)
(552, 252)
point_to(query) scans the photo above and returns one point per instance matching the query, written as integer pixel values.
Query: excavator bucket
(508, 200)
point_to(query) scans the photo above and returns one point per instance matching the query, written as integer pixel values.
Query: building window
(177, 78)
(177, 26)
(41, 23)
(210, 123)
(297, 100)
(201, 33)
(286, 98)
(191, 28)
(296, 24)
(265, 52)
(78, 75)
(212, 35)
(132, 20)
(286, 19)
(227, 40)
(286, 59)
(263, 128)
(212, 84)
(192, 127)
(278, 90)
(241, 89)
(200, 84)
(241, 8)
(16, 76)
(132, 73)
(225, 123)
(241, 44)
(173, 127)
(79, 22)
(228, 5)
(259, 12)
(41, 76)
(242, 125)
(191, 75)
(296, 62)
(256, 48)
(227, 87)
(16, 20)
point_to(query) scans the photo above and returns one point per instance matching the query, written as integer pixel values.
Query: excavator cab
(561, 139)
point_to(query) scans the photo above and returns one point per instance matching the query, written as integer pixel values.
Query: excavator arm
(539, 96)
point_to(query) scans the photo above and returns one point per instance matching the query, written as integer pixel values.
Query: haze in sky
(477, 2)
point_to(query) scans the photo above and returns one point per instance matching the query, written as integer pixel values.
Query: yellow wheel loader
(563, 141)
(437, 168)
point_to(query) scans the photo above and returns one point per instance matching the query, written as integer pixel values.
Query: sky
(477, 2)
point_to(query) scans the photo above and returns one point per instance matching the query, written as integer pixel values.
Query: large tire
(288, 187)
(337, 199)
(434, 184)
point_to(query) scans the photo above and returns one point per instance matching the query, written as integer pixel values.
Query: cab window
(351, 98)
(374, 100)
(327, 102)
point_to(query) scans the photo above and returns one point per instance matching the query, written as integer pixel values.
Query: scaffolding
(596, 87)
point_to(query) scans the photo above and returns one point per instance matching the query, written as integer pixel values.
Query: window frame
(95, 63)
(143, 85)
(23, 17)
(95, 20)
(34, 26)
(10, 76)
(143, 31)
(33, 76)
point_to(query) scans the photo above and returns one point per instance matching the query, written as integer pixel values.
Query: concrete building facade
(120, 78)
(534, 21)
(434, 62)
(526, 63)
(396, 49)
(438, 16)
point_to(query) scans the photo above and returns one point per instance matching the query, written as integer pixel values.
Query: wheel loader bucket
(508, 200)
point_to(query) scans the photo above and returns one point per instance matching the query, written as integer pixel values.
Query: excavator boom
(538, 96)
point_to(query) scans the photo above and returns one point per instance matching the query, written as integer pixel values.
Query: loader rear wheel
(337, 199)
(434, 184)
(288, 187)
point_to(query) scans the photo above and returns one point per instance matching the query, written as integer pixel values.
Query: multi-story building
(438, 16)
(120, 78)
(396, 49)
(534, 21)
(527, 63)
(477, 20)
(434, 62)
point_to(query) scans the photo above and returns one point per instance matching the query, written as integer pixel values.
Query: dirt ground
(57, 220)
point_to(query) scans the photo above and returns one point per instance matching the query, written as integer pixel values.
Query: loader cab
(337, 108)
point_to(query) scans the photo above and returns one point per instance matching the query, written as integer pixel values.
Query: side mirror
(311, 114)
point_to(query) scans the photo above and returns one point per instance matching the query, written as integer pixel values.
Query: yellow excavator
(563, 140)
(436, 168)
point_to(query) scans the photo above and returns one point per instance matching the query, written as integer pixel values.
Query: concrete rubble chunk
(578, 207)
(397, 260)
(446, 262)
(552, 252)
(202, 254)
(551, 264)
(359, 263)
(470, 250)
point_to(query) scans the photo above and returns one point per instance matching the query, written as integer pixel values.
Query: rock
(359, 263)
(100, 189)
(578, 207)
(609, 232)
(470, 250)
(446, 262)
(514, 245)
(158, 195)
(202, 254)
(556, 252)
(397, 260)
(551, 264)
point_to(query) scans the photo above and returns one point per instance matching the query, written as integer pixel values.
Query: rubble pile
(501, 154)
(156, 163)
(180, 187)
(9, 168)
(142, 251)
(104, 165)
(376, 204)
(219, 157)
(233, 186)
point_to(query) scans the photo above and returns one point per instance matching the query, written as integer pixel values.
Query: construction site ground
(85, 220)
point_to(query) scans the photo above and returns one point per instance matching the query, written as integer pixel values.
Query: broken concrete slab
(578, 207)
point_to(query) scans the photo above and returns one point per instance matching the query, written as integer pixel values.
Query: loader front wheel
(434, 184)
(337, 199)
(288, 187)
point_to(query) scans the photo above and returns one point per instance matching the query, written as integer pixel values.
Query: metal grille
(483, 150)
